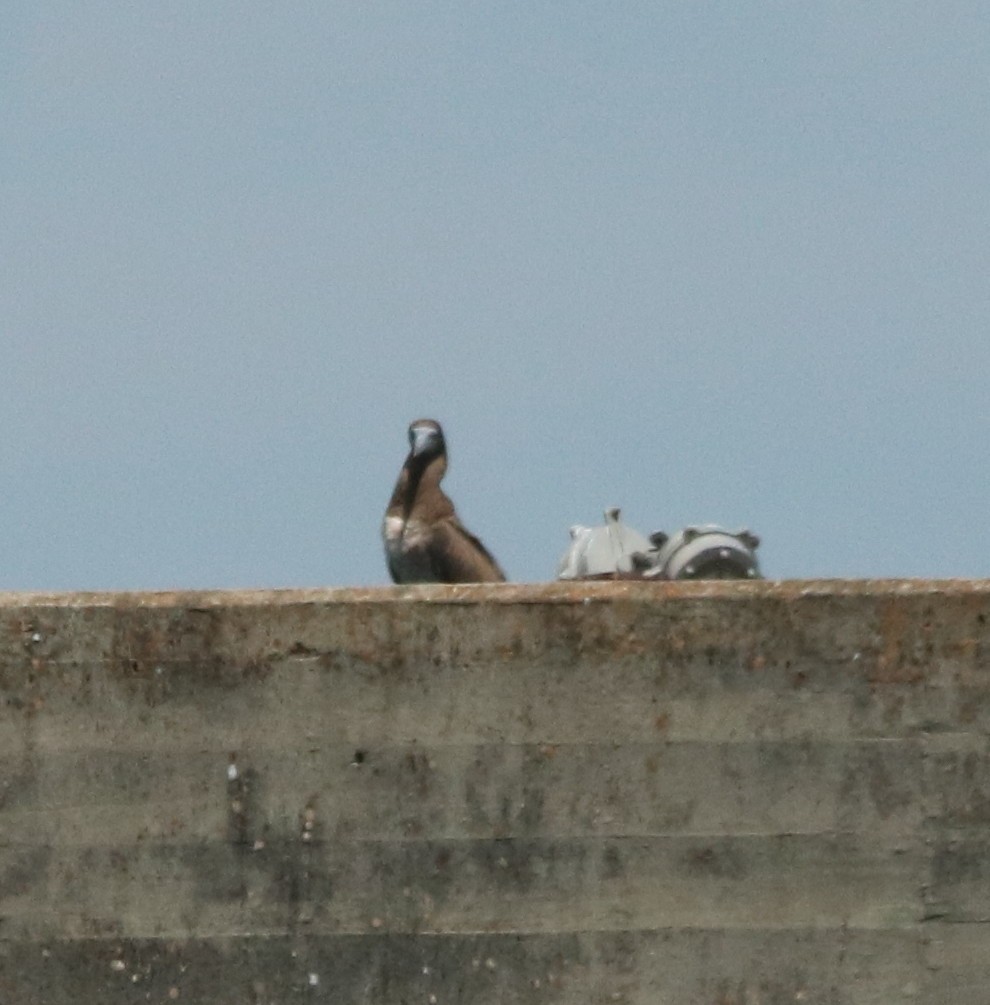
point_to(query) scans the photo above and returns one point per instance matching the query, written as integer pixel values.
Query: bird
(424, 540)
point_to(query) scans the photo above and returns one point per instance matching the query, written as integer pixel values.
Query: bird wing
(393, 569)
(457, 556)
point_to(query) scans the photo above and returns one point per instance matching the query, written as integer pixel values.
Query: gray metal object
(602, 551)
(705, 551)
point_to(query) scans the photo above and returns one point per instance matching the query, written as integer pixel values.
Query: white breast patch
(393, 528)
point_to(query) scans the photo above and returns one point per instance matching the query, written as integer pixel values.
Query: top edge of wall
(507, 593)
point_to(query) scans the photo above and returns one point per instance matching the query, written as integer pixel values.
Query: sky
(709, 262)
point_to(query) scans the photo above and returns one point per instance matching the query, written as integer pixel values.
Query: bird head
(426, 438)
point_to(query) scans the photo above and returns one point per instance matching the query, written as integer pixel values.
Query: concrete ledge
(629, 792)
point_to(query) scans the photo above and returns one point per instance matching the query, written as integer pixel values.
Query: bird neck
(420, 476)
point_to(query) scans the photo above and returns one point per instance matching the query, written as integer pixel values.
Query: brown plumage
(424, 540)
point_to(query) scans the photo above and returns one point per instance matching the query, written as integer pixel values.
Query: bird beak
(422, 439)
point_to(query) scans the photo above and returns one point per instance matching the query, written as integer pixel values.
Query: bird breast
(407, 546)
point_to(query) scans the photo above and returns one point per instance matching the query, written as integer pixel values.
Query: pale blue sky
(707, 261)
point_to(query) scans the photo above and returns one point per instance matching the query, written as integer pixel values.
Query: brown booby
(424, 540)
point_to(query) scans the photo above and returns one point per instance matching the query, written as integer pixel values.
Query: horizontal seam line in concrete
(894, 840)
(304, 930)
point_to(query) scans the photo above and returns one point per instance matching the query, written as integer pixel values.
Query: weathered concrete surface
(714, 793)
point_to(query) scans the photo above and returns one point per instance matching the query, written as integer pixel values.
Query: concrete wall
(726, 793)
